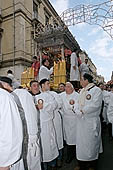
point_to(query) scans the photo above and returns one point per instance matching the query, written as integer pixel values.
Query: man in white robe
(69, 98)
(110, 109)
(31, 115)
(15, 83)
(11, 136)
(58, 125)
(74, 71)
(47, 104)
(84, 67)
(7, 85)
(88, 144)
(44, 72)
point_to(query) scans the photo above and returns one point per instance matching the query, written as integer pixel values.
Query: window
(35, 10)
(46, 20)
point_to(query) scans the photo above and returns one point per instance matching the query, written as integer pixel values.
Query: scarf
(83, 93)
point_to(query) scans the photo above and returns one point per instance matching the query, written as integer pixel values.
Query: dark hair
(1, 86)
(9, 72)
(75, 50)
(111, 86)
(43, 81)
(34, 57)
(32, 81)
(88, 77)
(44, 60)
(61, 84)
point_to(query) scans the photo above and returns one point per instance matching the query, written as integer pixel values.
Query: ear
(42, 85)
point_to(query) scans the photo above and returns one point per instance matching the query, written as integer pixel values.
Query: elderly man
(88, 143)
(33, 150)
(47, 104)
(69, 98)
(11, 136)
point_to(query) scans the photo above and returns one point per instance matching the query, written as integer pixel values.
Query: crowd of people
(36, 124)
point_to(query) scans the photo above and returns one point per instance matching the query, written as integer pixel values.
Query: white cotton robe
(74, 74)
(84, 68)
(69, 117)
(44, 73)
(110, 109)
(33, 156)
(106, 97)
(48, 135)
(11, 136)
(89, 143)
(57, 119)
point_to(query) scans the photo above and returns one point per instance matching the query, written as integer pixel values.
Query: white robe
(57, 120)
(106, 97)
(33, 156)
(84, 68)
(11, 136)
(89, 143)
(48, 135)
(44, 73)
(110, 110)
(74, 74)
(69, 118)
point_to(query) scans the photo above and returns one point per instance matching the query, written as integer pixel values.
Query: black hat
(6, 80)
(88, 77)
(43, 81)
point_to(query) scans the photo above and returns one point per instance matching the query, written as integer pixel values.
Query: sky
(91, 38)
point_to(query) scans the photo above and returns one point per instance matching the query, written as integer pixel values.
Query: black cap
(6, 80)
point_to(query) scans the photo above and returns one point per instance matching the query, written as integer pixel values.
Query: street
(106, 158)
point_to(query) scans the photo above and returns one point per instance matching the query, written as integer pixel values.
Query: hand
(81, 111)
(4, 168)
(74, 67)
(39, 106)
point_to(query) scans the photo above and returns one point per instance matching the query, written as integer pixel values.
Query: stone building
(21, 22)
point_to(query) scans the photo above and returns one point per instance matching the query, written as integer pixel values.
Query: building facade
(20, 23)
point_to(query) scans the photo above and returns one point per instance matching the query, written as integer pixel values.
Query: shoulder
(4, 93)
(95, 91)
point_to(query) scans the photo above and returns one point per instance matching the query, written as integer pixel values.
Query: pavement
(105, 161)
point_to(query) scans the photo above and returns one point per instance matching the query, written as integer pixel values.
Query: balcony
(36, 18)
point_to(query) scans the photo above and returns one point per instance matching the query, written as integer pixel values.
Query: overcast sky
(91, 38)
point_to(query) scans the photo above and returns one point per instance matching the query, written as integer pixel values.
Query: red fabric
(45, 57)
(79, 61)
(36, 67)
